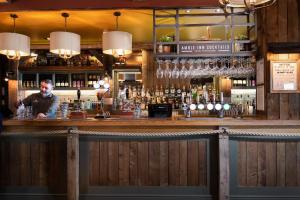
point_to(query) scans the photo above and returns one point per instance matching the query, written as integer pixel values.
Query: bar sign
(197, 48)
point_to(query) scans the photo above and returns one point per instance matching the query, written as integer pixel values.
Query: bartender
(44, 104)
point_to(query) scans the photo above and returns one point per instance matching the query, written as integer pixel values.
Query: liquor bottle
(172, 91)
(178, 92)
(167, 91)
(143, 93)
(66, 83)
(156, 93)
(161, 91)
(57, 83)
(134, 92)
(62, 83)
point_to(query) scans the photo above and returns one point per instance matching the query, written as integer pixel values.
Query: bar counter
(126, 158)
(181, 122)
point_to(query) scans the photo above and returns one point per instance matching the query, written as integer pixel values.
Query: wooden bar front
(150, 159)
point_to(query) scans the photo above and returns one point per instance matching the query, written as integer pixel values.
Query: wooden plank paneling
(261, 170)
(164, 163)
(242, 163)
(293, 21)
(154, 169)
(202, 163)
(14, 163)
(252, 163)
(72, 167)
(284, 106)
(281, 156)
(113, 164)
(294, 107)
(143, 163)
(94, 165)
(133, 163)
(270, 163)
(44, 163)
(124, 163)
(4, 163)
(183, 163)
(35, 163)
(193, 163)
(291, 164)
(174, 161)
(103, 171)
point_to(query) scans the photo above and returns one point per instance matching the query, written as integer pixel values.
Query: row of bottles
(243, 82)
(61, 83)
(92, 79)
(29, 84)
(50, 59)
(177, 96)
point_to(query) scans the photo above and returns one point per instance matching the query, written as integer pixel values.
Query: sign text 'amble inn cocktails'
(208, 48)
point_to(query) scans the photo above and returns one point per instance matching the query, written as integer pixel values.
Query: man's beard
(45, 94)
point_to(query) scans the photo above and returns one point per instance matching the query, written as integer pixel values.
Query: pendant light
(63, 43)
(14, 45)
(117, 43)
(249, 5)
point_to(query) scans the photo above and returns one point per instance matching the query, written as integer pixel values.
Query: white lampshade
(14, 45)
(117, 43)
(65, 44)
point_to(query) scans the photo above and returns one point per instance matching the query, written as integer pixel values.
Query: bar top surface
(154, 122)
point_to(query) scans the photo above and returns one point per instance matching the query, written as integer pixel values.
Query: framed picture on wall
(285, 77)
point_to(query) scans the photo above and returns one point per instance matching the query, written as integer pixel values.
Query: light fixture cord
(65, 24)
(117, 22)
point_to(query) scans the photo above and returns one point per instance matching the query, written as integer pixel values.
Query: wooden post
(223, 166)
(72, 166)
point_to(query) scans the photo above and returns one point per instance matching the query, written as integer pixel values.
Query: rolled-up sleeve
(53, 108)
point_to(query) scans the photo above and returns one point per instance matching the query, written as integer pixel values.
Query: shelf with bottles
(62, 81)
(173, 30)
(29, 81)
(93, 78)
(43, 57)
(243, 83)
(78, 80)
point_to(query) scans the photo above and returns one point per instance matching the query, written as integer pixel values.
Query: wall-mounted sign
(196, 48)
(284, 77)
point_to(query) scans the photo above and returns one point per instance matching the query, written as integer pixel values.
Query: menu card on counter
(284, 77)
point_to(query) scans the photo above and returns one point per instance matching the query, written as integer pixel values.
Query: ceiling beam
(28, 5)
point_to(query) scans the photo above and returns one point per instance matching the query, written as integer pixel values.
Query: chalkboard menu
(284, 77)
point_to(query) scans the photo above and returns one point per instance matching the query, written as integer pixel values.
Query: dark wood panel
(14, 163)
(252, 164)
(193, 163)
(133, 163)
(25, 172)
(35, 163)
(124, 163)
(270, 163)
(44, 159)
(174, 163)
(183, 163)
(155, 163)
(284, 106)
(261, 170)
(4, 164)
(94, 164)
(291, 164)
(154, 168)
(202, 163)
(103, 171)
(242, 163)
(281, 159)
(113, 163)
(164, 163)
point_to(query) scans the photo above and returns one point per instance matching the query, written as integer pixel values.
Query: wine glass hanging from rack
(242, 67)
